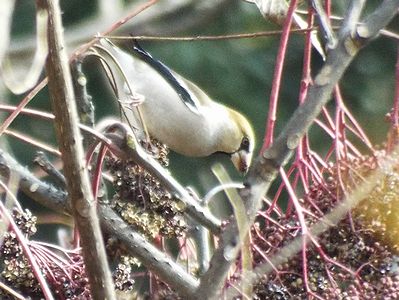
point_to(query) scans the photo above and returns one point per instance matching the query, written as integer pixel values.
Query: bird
(174, 110)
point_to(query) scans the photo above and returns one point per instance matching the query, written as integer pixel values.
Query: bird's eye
(245, 144)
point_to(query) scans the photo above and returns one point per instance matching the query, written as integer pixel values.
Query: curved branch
(36, 66)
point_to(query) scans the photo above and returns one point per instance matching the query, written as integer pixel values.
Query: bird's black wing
(188, 99)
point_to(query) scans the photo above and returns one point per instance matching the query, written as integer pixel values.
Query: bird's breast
(179, 128)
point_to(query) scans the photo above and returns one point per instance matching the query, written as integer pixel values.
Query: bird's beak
(241, 160)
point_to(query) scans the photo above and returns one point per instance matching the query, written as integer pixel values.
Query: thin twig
(31, 141)
(10, 291)
(114, 26)
(206, 37)
(45, 164)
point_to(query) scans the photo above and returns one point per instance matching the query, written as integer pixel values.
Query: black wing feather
(167, 74)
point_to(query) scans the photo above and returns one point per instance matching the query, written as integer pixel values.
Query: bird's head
(242, 142)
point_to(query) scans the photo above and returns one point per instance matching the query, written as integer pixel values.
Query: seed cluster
(67, 282)
(158, 151)
(122, 275)
(357, 259)
(25, 221)
(16, 268)
(142, 201)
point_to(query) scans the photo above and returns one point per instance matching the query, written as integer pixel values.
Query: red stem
(328, 7)
(271, 119)
(307, 56)
(21, 105)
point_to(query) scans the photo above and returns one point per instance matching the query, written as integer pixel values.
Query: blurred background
(237, 72)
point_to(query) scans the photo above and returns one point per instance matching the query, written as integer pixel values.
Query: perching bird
(176, 111)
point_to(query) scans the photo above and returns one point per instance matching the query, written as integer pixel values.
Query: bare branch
(379, 19)
(45, 164)
(351, 18)
(83, 101)
(44, 193)
(68, 135)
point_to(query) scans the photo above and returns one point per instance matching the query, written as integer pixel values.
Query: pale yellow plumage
(199, 127)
